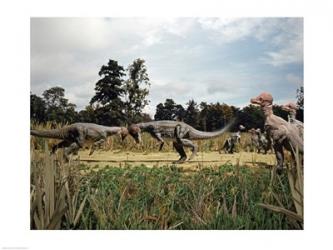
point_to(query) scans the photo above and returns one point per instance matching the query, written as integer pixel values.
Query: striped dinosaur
(77, 135)
(232, 140)
(181, 133)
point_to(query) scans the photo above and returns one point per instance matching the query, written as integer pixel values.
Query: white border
(15, 87)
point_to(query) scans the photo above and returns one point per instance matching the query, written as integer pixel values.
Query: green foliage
(53, 107)
(167, 198)
(300, 97)
(109, 93)
(37, 109)
(192, 114)
(136, 90)
(251, 117)
(169, 110)
(277, 110)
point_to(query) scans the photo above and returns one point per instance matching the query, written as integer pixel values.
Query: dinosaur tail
(54, 133)
(201, 135)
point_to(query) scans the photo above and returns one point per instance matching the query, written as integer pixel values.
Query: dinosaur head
(290, 107)
(241, 127)
(263, 99)
(134, 130)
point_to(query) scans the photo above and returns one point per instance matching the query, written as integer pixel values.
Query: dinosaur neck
(292, 116)
(268, 110)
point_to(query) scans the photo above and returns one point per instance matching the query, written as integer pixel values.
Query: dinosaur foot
(180, 161)
(279, 170)
(192, 156)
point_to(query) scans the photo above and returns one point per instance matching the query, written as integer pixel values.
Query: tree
(169, 111)
(136, 90)
(215, 117)
(88, 114)
(192, 114)
(300, 103)
(109, 93)
(251, 116)
(203, 116)
(37, 109)
(227, 113)
(300, 97)
(57, 106)
(277, 110)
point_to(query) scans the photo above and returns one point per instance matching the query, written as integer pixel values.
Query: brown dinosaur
(77, 135)
(283, 134)
(292, 108)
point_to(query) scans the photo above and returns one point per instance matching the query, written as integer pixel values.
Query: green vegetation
(73, 196)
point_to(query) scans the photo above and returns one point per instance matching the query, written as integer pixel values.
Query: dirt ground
(114, 158)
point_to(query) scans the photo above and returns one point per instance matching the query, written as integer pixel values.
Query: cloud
(294, 79)
(284, 34)
(205, 59)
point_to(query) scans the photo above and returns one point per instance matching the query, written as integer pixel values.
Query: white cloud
(186, 57)
(284, 34)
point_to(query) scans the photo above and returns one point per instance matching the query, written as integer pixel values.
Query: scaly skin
(283, 134)
(181, 133)
(76, 135)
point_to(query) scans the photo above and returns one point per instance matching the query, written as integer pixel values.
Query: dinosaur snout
(254, 101)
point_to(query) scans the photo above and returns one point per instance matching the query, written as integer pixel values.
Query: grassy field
(127, 186)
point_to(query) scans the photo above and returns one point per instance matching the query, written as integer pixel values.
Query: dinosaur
(291, 108)
(232, 140)
(264, 141)
(254, 142)
(181, 133)
(283, 134)
(77, 135)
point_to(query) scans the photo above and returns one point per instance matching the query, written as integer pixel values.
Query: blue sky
(205, 59)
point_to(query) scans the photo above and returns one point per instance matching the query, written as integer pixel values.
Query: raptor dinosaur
(264, 142)
(232, 140)
(282, 133)
(77, 135)
(292, 108)
(181, 133)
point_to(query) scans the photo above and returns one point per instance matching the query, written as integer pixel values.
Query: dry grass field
(156, 159)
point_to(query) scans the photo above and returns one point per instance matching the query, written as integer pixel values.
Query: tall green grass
(74, 196)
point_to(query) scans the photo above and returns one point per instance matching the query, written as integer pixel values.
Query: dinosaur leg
(179, 148)
(71, 149)
(158, 136)
(95, 145)
(232, 147)
(278, 148)
(190, 144)
(81, 136)
(224, 148)
(62, 144)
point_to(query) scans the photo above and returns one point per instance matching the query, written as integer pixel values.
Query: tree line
(121, 95)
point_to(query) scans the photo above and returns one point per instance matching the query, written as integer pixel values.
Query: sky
(205, 59)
